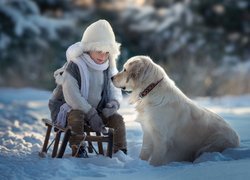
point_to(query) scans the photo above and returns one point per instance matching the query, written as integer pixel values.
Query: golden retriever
(174, 127)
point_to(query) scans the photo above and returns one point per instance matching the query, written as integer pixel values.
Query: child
(88, 92)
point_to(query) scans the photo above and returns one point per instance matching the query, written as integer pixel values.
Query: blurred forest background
(204, 45)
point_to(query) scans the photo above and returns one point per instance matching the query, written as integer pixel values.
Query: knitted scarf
(82, 62)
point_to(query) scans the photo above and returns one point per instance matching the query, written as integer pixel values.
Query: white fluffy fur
(174, 127)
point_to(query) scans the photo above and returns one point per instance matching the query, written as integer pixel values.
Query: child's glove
(95, 120)
(110, 108)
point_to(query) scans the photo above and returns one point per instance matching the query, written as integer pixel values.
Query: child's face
(99, 57)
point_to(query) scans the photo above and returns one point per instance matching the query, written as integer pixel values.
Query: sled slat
(57, 140)
(46, 140)
(110, 143)
(64, 143)
(100, 147)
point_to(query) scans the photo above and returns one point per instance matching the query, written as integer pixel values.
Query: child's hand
(95, 120)
(110, 108)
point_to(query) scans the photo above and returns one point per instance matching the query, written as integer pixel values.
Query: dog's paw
(156, 162)
(144, 155)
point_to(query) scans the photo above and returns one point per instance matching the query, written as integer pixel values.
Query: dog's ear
(136, 69)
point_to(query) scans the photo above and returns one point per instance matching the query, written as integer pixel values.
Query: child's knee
(118, 120)
(75, 115)
(76, 121)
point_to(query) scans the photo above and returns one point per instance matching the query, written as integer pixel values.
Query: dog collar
(148, 89)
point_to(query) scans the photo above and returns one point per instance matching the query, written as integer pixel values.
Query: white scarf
(82, 62)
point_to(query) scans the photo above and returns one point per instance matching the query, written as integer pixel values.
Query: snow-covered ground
(22, 134)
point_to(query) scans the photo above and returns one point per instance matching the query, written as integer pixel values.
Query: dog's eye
(124, 70)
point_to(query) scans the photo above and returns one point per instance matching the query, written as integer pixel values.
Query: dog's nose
(112, 78)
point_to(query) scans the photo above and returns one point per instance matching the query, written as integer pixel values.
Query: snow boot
(79, 151)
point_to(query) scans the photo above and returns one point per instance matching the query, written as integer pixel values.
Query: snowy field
(22, 134)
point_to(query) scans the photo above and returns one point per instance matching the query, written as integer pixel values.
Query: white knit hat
(98, 36)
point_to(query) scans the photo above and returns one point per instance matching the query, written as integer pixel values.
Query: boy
(89, 94)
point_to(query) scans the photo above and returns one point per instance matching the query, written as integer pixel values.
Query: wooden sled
(88, 137)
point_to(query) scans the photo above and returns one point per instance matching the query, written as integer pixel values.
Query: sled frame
(58, 150)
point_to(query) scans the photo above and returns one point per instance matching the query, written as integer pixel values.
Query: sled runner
(60, 144)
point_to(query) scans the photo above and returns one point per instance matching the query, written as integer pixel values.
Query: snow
(242, 4)
(4, 40)
(22, 134)
(26, 17)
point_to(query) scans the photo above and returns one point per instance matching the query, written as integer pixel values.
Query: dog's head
(137, 72)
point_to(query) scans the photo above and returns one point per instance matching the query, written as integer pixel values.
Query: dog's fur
(174, 127)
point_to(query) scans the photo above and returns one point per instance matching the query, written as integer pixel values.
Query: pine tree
(29, 41)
